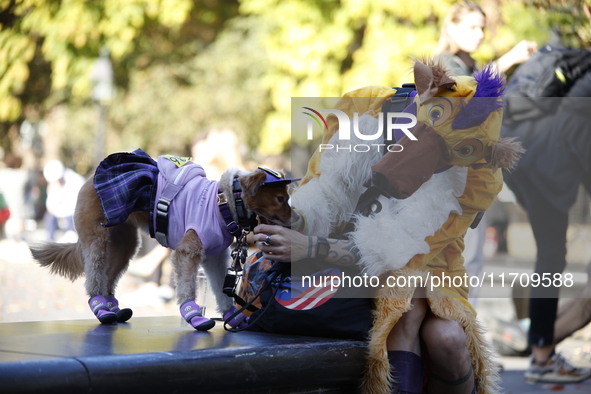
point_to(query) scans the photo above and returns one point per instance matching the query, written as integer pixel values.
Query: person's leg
(575, 313)
(69, 223)
(150, 263)
(50, 226)
(449, 358)
(549, 228)
(474, 255)
(405, 334)
(404, 348)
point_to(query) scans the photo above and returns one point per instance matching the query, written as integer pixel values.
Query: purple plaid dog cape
(126, 182)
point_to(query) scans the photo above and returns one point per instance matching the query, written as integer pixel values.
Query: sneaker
(556, 370)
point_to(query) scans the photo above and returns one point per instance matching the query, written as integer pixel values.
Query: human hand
(281, 244)
(516, 55)
(523, 51)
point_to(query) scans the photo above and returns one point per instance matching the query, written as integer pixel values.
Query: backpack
(277, 301)
(549, 73)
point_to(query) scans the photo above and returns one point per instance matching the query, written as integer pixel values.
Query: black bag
(286, 305)
(549, 73)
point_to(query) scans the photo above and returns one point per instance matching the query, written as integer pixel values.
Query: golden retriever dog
(174, 202)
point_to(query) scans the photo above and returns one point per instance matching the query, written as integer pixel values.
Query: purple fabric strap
(231, 224)
(244, 221)
(169, 191)
(407, 369)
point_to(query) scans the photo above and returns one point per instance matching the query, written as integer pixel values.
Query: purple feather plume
(490, 82)
(486, 99)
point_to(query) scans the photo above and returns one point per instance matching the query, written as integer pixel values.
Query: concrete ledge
(49, 376)
(163, 354)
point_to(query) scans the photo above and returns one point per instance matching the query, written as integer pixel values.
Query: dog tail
(64, 259)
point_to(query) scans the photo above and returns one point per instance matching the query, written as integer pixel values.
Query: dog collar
(231, 225)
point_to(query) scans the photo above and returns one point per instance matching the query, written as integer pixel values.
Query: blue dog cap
(275, 177)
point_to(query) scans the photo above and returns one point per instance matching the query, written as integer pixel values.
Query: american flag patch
(295, 294)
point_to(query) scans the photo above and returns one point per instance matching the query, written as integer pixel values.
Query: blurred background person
(13, 185)
(546, 182)
(63, 185)
(462, 33)
(4, 215)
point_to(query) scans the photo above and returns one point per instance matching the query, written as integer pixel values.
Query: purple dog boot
(238, 321)
(123, 315)
(98, 306)
(191, 312)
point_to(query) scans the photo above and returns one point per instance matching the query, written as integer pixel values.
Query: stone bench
(164, 355)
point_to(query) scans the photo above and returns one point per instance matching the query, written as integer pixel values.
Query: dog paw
(202, 324)
(235, 319)
(191, 312)
(107, 317)
(123, 315)
(98, 306)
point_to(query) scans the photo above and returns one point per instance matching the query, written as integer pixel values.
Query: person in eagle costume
(408, 211)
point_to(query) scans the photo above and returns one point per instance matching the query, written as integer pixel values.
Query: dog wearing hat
(174, 202)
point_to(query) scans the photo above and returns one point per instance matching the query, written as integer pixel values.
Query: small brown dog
(173, 201)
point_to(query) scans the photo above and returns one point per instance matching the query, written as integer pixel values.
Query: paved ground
(29, 293)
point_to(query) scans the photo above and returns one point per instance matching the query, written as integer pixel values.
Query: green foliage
(16, 50)
(167, 106)
(193, 96)
(48, 49)
(326, 48)
(185, 66)
(71, 33)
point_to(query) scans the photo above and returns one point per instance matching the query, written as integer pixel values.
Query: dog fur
(102, 254)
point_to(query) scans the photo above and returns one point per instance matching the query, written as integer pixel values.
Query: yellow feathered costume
(435, 186)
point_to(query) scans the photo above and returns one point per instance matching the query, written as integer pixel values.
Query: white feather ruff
(389, 239)
(330, 199)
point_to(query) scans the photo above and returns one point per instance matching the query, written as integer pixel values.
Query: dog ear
(504, 154)
(252, 182)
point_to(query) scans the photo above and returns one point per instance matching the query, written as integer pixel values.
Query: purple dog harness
(195, 206)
